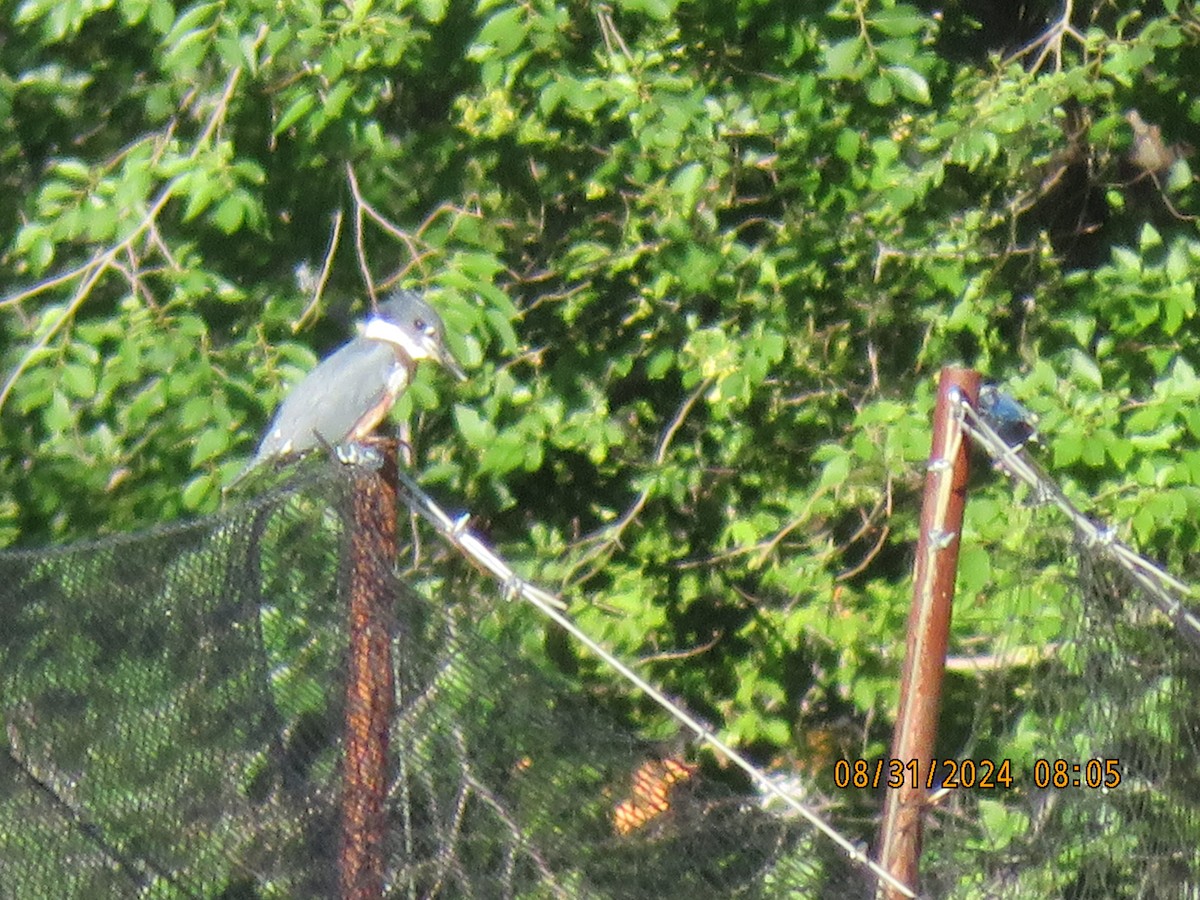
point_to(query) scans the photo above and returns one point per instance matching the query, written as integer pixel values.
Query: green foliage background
(702, 261)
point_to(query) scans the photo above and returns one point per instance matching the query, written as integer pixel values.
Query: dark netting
(174, 707)
(1111, 692)
(171, 707)
(173, 713)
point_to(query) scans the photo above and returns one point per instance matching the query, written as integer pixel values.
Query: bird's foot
(358, 455)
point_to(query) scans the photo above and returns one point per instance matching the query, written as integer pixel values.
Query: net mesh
(1088, 686)
(1105, 753)
(170, 712)
(174, 711)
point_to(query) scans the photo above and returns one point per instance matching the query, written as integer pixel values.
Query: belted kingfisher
(348, 394)
(1015, 425)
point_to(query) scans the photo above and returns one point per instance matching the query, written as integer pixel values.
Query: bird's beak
(451, 364)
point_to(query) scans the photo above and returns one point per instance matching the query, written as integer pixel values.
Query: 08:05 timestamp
(1094, 773)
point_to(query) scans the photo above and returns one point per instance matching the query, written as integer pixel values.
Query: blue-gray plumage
(1009, 419)
(350, 392)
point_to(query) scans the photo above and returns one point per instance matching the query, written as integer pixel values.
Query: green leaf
(842, 59)
(335, 100)
(133, 11)
(73, 170)
(1068, 448)
(911, 85)
(194, 18)
(296, 109)
(659, 10)
(201, 189)
(476, 431)
(975, 148)
(505, 31)
(230, 213)
(1178, 306)
(185, 54)
(880, 92)
(687, 183)
(1001, 824)
(212, 443)
(433, 11)
(848, 144)
(1092, 451)
(1179, 177)
(1085, 368)
(79, 380)
(899, 21)
(201, 493)
(504, 454)
(35, 244)
(834, 472)
(195, 412)
(57, 415)
(162, 15)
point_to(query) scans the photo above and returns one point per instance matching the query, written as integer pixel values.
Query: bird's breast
(397, 378)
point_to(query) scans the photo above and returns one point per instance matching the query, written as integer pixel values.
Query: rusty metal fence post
(928, 632)
(369, 684)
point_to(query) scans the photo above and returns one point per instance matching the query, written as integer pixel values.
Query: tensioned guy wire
(455, 532)
(1170, 595)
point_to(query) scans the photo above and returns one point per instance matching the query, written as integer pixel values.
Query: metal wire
(455, 532)
(1169, 594)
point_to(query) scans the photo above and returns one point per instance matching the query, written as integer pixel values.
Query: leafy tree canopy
(700, 259)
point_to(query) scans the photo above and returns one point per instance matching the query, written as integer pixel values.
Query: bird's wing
(329, 401)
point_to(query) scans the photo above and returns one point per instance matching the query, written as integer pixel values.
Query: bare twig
(326, 266)
(608, 29)
(667, 656)
(360, 251)
(1051, 40)
(610, 536)
(363, 208)
(94, 269)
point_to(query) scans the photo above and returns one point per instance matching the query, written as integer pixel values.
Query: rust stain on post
(928, 631)
(369, 687)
